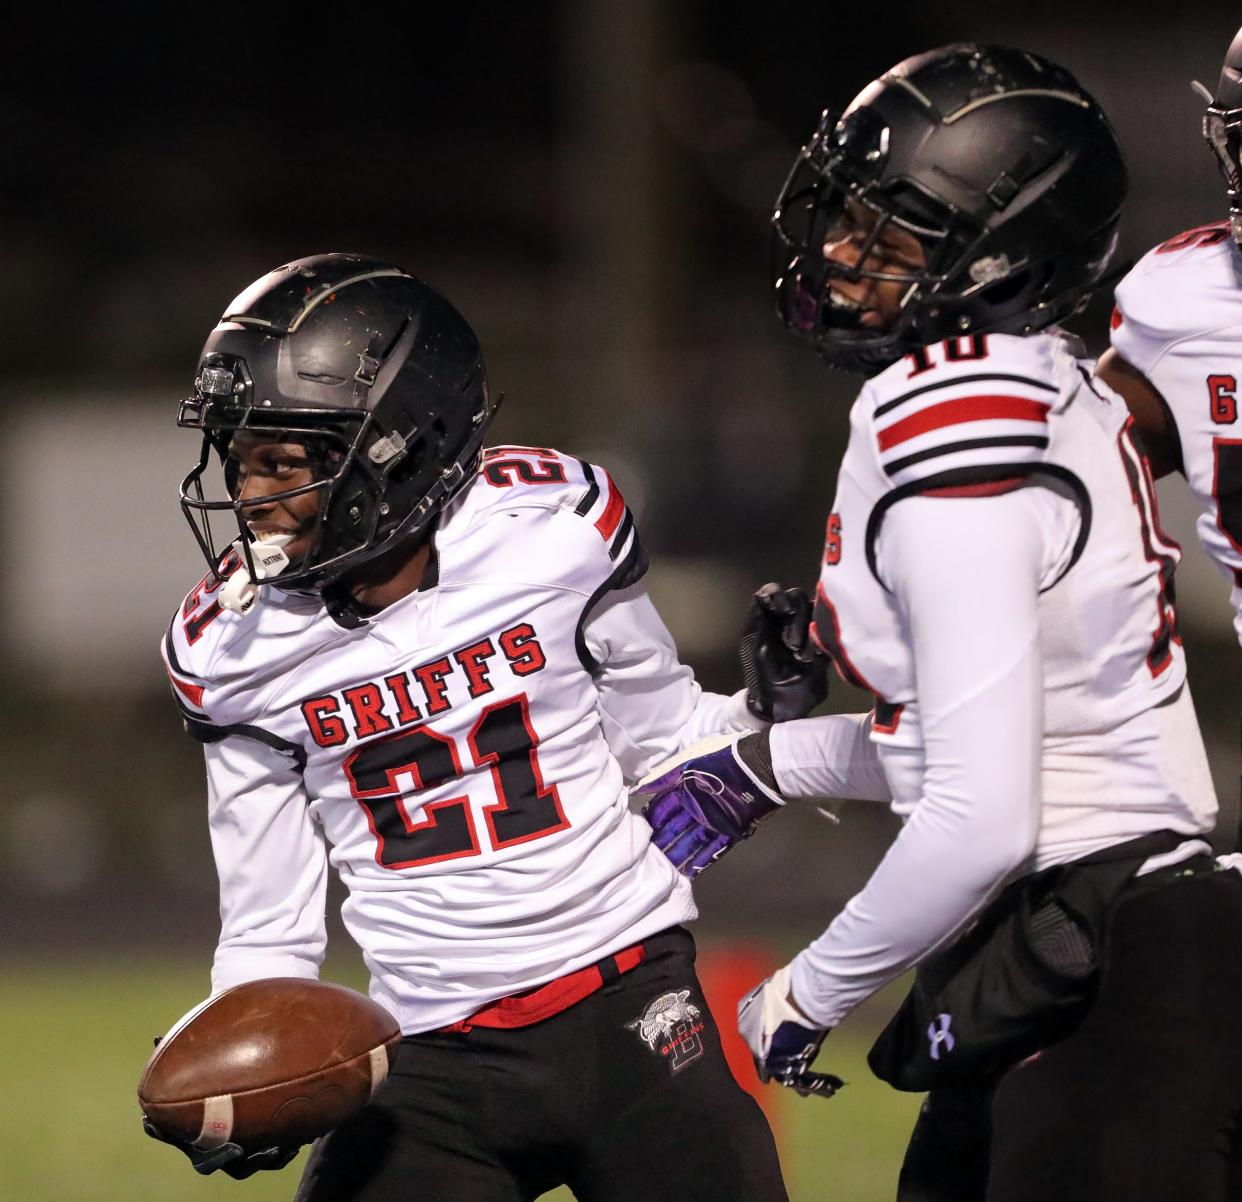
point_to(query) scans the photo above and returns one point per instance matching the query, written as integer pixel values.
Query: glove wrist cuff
(754, 755)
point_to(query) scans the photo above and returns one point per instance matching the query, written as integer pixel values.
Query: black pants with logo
(1142, 1103)
(624, 1097)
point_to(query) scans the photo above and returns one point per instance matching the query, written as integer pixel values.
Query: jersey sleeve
(619, 563)
(651, 707)
(272, 865)
(583, 529)
(830, 756)
(980, 680)
(270, 855)
(591, 543)
(961, 418)
(186, 663)
(516, 476)
(212, 705)
(1137, 330)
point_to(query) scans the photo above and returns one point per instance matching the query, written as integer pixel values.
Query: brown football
(272, 1062)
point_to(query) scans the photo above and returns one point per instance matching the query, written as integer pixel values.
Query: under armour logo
(939, 1036)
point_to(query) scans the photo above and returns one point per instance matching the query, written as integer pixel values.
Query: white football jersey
(465, 753)
(1179, 321)
(980, 416)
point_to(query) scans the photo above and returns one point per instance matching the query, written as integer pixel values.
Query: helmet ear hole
(440, 434)
(411, 465)
(430, 448)
(1011, 287)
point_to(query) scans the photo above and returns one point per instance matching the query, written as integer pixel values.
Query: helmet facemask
(1222, 130)
(381, 385)
(331, 443)
(995, 162)
(357, 466)
(841, 166)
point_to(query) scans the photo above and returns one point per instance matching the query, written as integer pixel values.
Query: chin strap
(240, 593)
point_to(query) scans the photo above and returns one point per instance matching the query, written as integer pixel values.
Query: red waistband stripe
(533, 1006)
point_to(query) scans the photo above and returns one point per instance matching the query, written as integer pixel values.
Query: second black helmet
(997, 161)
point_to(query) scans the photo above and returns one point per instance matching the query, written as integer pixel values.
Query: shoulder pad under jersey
(1189, 285)
(518, 477)
(966, 405)
(211, 653)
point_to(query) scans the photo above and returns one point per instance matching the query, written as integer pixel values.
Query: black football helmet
(996, 160)
(1222, 127)
(375, 373)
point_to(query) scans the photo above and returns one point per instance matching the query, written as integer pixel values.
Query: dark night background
(589, 182)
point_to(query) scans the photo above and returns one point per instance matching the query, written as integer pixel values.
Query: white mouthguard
(240, 593)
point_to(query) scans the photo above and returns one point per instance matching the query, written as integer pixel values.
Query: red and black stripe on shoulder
(605, 507)
(963, 420)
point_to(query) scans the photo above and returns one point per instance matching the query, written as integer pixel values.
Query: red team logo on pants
(671, 1026)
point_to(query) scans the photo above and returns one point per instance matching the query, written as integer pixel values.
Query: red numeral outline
(390, 792)
(503, 741)
(1158, 548)
(832, 540)
(544, 794)
(1222, 399)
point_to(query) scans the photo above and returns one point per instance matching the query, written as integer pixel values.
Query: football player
(995, 574)
(436, 667)
(1176, 355)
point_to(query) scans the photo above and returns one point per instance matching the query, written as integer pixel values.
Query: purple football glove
(704, 806)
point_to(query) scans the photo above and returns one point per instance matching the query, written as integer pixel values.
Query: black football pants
(581, 1099)
(1142, 1103)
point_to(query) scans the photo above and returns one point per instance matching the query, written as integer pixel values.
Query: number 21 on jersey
(503, 740)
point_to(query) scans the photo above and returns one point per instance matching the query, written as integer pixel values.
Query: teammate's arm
(832, 756)
(708, 804)
(1156, 427)
(271, 861)
(966, 574)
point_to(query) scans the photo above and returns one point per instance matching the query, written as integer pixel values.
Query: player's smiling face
(268, 464)
(895, 251)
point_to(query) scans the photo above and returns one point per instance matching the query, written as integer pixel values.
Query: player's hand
(228, 1157)
(782, 1040)
(704, 806)
(786, 675)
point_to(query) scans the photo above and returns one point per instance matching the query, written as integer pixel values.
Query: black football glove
(786, 674)
(231, 1158)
